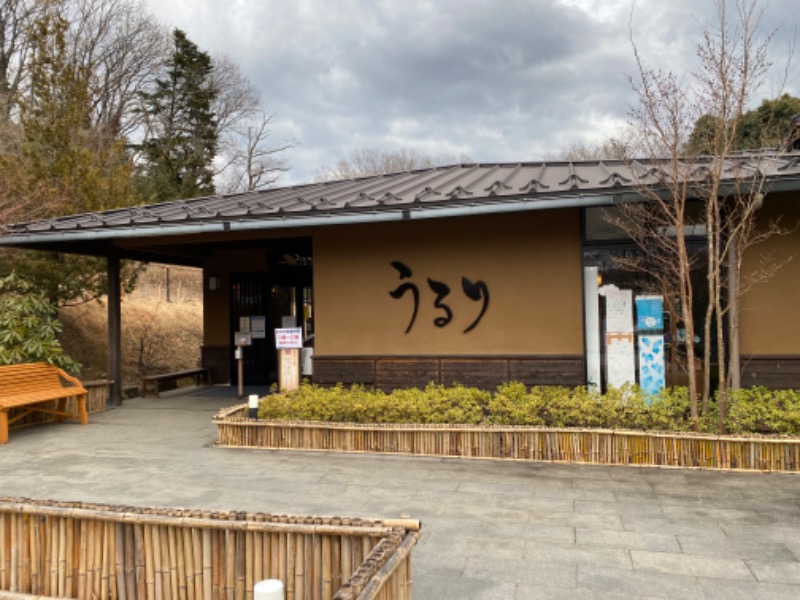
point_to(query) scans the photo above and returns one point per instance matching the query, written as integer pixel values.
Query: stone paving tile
(655, 542)
(539, 552)
(775, 571)
(447, 585)
(695, 565)
(723, 589)
(538, 592)
(534, 503)
(529, 531)
(711, 514)
(624, 487)
(716, 546)
(544, 574)
(471, 549)
(673, 526)
(766, 533)
(621, 507)
(638, 584)
(576, 494)
(794, 546)
(459, 510)
(576, 519)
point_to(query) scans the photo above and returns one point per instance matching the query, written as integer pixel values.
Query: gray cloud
(497, 80)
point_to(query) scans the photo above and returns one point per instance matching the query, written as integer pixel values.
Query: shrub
(513, 405)
(757, 410)
(29, 327)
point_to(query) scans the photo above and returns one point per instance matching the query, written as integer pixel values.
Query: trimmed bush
(757, 410)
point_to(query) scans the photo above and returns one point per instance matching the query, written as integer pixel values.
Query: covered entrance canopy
(221, 233)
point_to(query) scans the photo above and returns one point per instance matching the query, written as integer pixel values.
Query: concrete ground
(490, 529)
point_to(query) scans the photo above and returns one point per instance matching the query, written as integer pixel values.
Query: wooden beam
(114, 328)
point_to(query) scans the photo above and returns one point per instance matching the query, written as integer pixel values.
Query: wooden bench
(200, 375)
(31, 386)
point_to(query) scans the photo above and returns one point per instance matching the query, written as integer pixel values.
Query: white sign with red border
(290, 337)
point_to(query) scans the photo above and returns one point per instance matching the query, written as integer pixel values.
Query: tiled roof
(440, 187)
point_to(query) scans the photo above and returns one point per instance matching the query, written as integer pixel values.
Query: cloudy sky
(497, 80)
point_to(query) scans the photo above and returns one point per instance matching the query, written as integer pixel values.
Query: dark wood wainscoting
(771, 371)
(218, 359)
(388, 373)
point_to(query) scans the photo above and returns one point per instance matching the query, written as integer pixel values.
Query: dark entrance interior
(263, 302)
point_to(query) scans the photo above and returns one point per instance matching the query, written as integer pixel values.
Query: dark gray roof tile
(440, 186)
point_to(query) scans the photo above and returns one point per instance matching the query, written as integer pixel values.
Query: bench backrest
(35, 377)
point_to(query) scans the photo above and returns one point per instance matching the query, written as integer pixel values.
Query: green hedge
(755, 410)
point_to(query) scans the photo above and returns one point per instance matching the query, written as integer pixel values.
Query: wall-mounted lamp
(214, 283)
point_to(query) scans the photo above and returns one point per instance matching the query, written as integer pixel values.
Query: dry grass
(157, 336)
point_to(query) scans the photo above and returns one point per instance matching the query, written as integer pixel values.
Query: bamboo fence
(593, 446)
(74, 550)
(95, 402)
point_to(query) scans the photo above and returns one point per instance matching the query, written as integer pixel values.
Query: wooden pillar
(114, 328)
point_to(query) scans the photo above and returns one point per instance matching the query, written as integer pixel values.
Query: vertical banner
(650, 326)
(591, 308)
(620, 352)
(651, 363)
(650, 314)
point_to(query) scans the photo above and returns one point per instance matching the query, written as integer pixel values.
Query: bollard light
(252, 406)
(269, 589)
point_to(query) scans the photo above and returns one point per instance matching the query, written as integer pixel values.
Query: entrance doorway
(261, 303)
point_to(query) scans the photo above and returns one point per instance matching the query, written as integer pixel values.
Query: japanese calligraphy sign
(477, 291)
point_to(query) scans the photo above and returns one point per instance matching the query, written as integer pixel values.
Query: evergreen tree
(182, 135)
(764, 127)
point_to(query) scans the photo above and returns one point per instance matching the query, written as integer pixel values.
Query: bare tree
(253, 163)
(733, 63)
(123, 47)
(624, 146)
(16, 20)
(365, 162)
(247, 159)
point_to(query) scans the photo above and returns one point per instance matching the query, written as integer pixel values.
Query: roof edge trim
(401, 213)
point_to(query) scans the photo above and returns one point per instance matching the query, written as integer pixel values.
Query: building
(472, 273)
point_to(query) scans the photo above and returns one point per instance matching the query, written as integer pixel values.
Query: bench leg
(3, 427)
(83, 413)
(60, 407)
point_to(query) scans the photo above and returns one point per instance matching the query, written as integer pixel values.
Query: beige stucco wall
(530, 262)
(768, 322)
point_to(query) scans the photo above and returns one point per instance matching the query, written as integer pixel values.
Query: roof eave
(292, 221)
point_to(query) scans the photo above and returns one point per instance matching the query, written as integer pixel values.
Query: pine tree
(182, 139)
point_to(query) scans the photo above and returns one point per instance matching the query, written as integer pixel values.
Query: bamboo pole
(300, 566)
(207, 562)
(188, 559)
(289, 576)
(175, 564)
(149, 565)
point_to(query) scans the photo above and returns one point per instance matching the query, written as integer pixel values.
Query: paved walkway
(490, 529)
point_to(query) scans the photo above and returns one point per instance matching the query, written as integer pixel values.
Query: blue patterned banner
(651, 363)
(649, 313)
